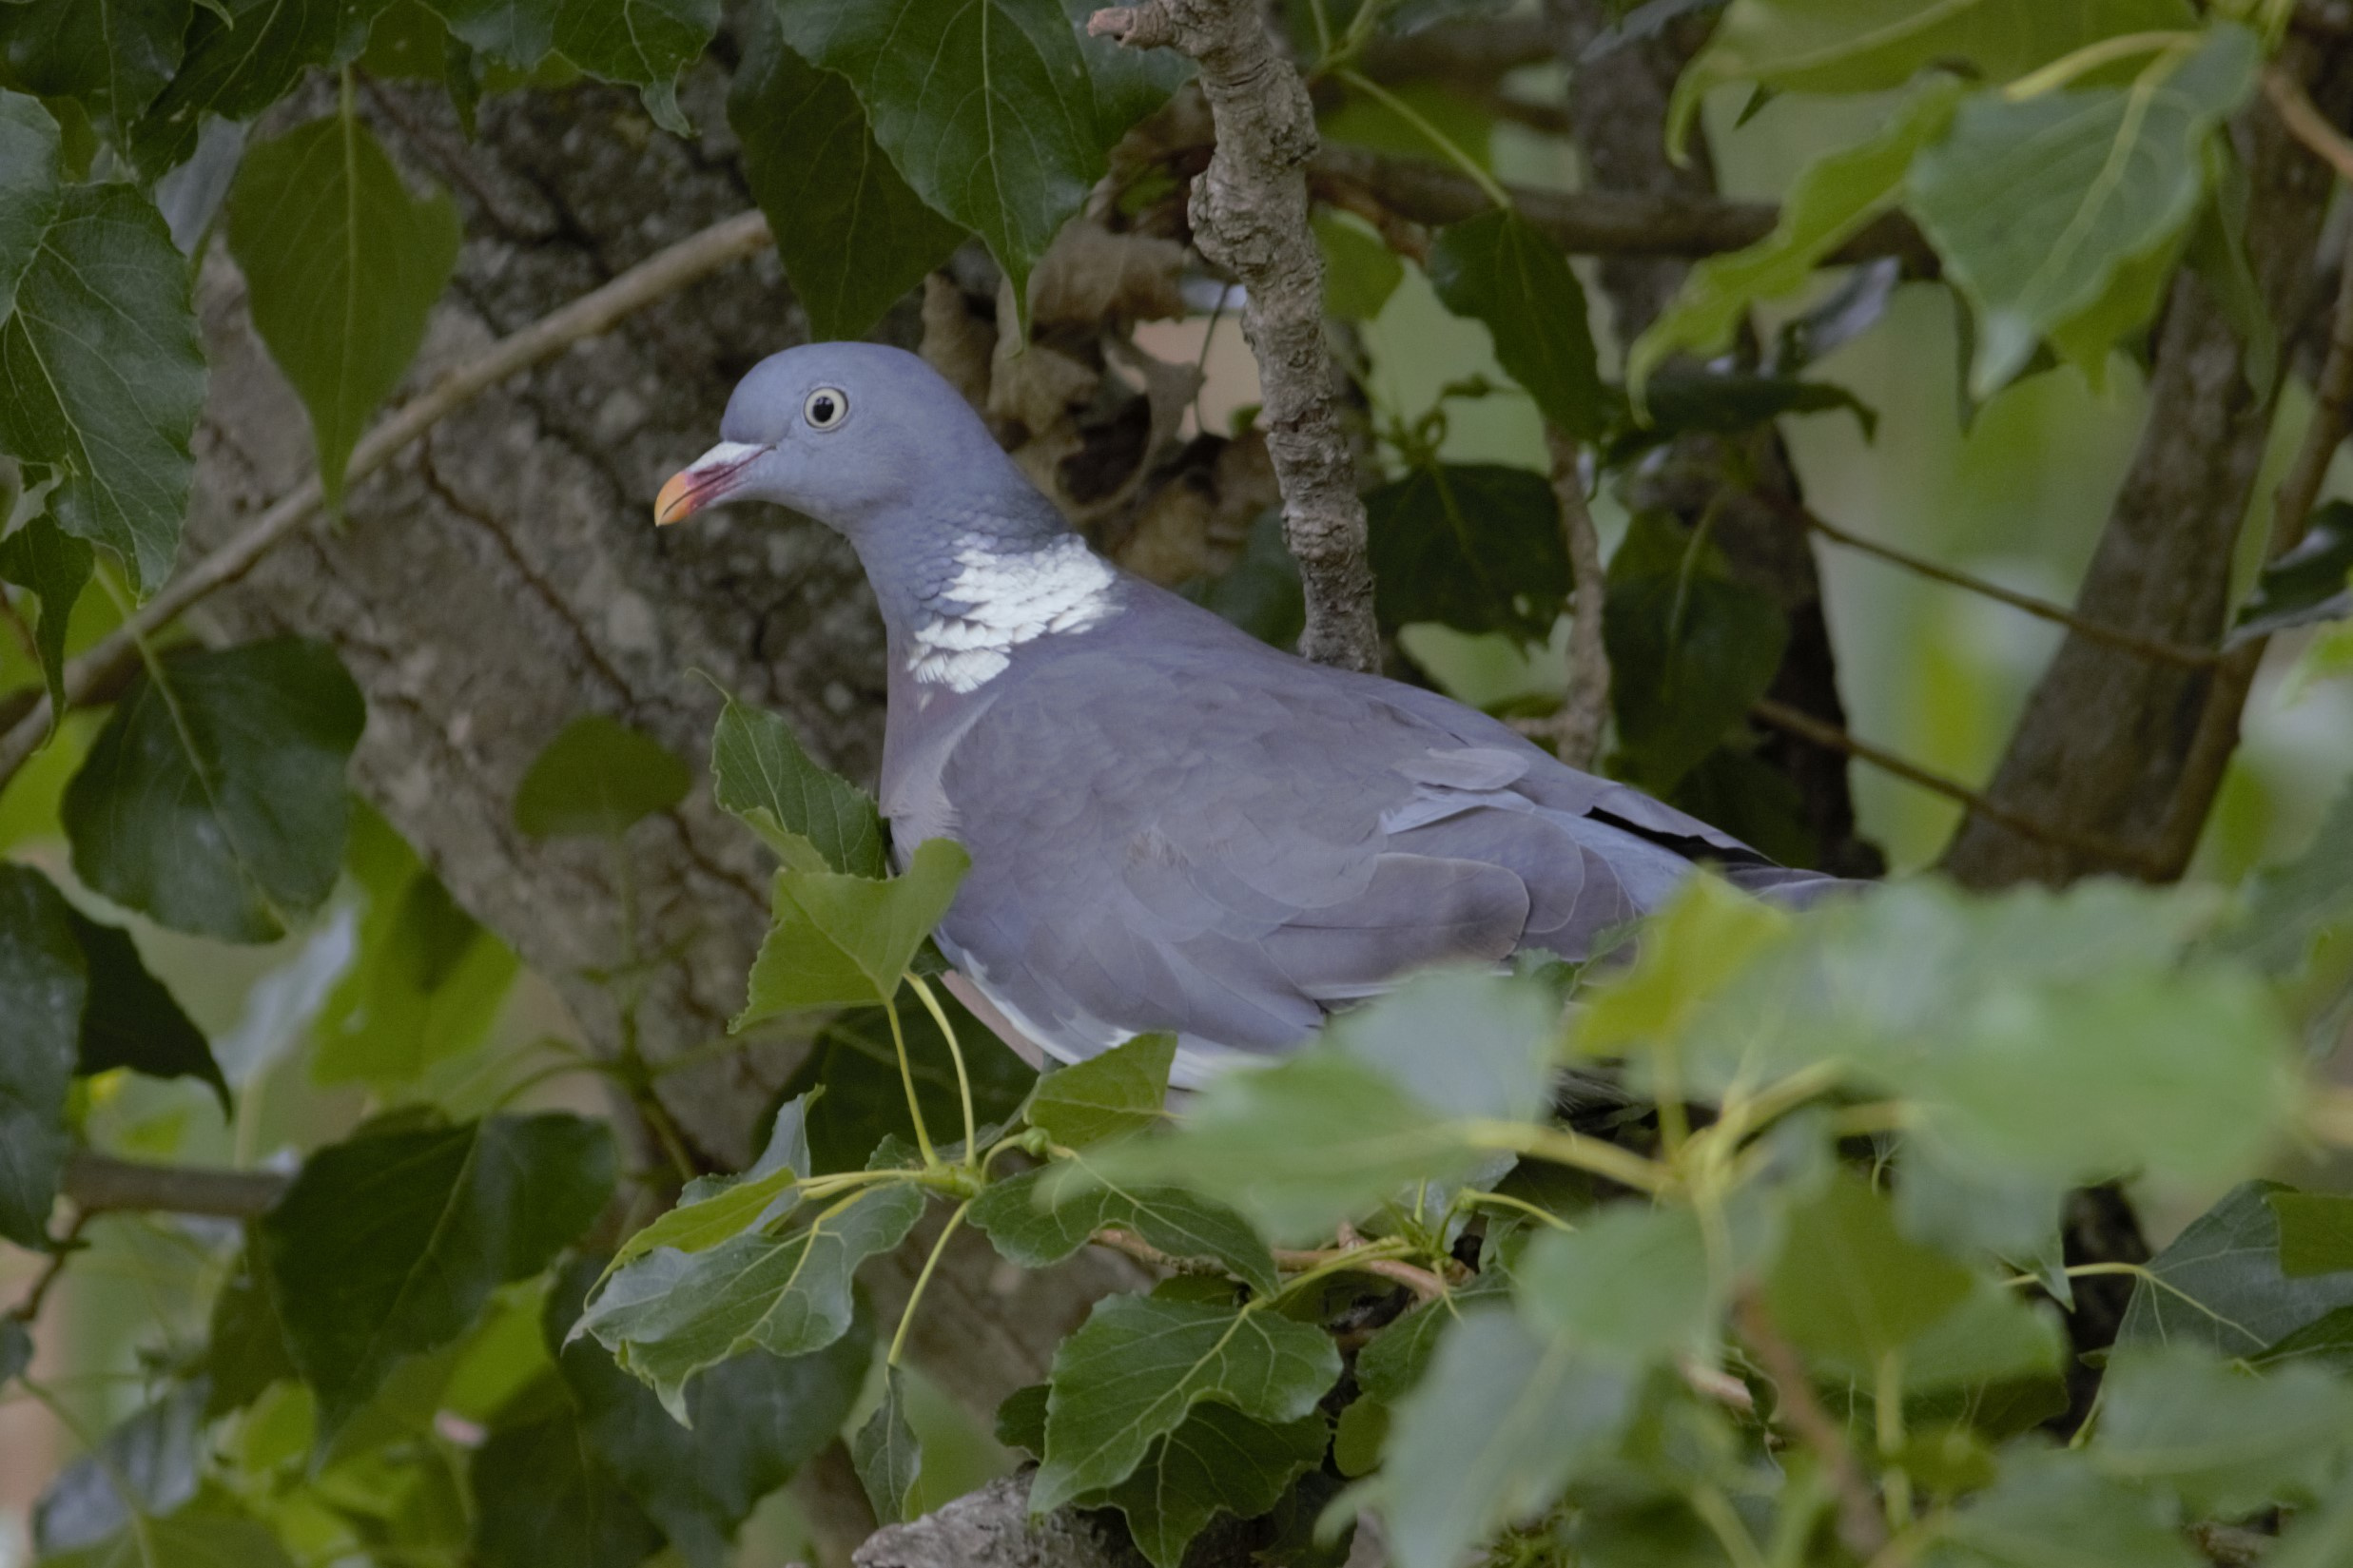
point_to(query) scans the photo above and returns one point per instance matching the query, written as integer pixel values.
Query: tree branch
(1598, 222)
(1807, 726)
(1576, 729)
(108, 665)
(991, 1528)
(1250, 215)
(2147, 647)
(1861, 1528)
(101, 1184)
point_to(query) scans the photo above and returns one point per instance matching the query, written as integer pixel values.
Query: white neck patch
(1015, 598)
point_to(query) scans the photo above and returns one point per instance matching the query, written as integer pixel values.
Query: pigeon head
(969, 563)
(854, 434)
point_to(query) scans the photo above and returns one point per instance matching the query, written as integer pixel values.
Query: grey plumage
(1172, 825)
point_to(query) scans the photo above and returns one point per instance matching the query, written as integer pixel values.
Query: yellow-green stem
(1562, 1146)
(915, 1297)
(906, 1080)
(1471, 166)
(956, 1053)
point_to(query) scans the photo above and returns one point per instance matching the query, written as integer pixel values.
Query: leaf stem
(955, 1054)
(898, 1340)
(1488, 185)
(906, 1080)
(1562, 1146)
(2105, 52)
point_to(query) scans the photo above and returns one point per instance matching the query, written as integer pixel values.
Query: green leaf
(1849, 1290)
(756, 1420)
(1299, 1146)
(426, 982)
(596, 780)
(343, 267)
(1630, 1286)
(1105, 1095)
(1964, 1207)
(1829, 202)
(1869, 45)
(518, 33)
(2290, 907)
(717, 1209)
(1387, 1368)
(855, 1062)
(2322, 1537)
(389, 1245)
(852, 236)
(2219, 1285)
(645, 43)
(1501, 1423)
(1995, 1336)
(760, 773)
(2316, 1232)
(246, 1349)
(102, 377)
(2228, 1442)
(1137, 1366)
(1218, 1461)
(1260, 593)
(43, 983)
(16, 1350)
(2217, 253)
(243, 56)
(197, 1537)
(1038, 1226)
(132, 1021)
(1022, 1419)
(112, 55)
(1500, 269)
(993, 112)
(1360, 271)
(667, 1316)
(1129, 84)
(32, 174)
(543, 1494)
(1474, 545)
(1690, 650)
(2054, 1510)
(2037, 207)
(1500, 1030)
(2327, 1341)
(888, 1460)
(55, 567)
(2312, 582)
(1685, 398)
(839, 940)
(213, 801)
(148, 1462)
(2193, 1068)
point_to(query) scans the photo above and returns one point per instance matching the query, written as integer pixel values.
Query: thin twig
(666, 272)
(1807, 726)
(2305, 122)
(2154, 648)
(1860, 1525)
(61, 1249)
(1584, 708)
(1250, 215)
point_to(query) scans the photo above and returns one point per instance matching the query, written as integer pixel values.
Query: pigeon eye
(824, 408)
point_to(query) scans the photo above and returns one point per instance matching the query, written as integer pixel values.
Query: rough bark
(990, 1528)
(1619, 110)
(2107, 736)
(1249, 215)
(504, 578)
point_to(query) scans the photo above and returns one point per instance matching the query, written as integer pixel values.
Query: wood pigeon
(1172, 826)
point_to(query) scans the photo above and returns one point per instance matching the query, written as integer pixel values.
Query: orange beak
(705, 481)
